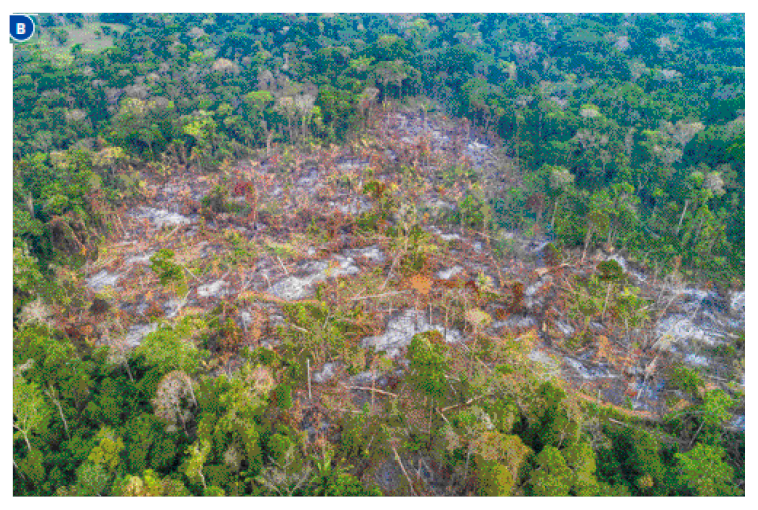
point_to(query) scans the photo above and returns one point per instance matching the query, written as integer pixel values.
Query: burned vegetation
(406, 311)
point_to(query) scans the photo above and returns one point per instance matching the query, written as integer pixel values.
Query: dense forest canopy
(649, 103)
(621, 131)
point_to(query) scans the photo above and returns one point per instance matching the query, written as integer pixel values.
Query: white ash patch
(695, 300)
(439, 137)
(140, 259)
(309, 180)
(172, 307)
(400, 332)
(737, 304)
(346, 267)
(161, 216)
(102, 280)
(138, 333)
(245, 319)
(696, 294)
(622, 43)
(530, 293)
(516, 323)
(526, 322)
(371, 253)
(721, 322)
(702, 317)
(356, 206)
(738, 423)
(566, 329)
(679, 328)
(621, 261)
(445, 237)
(551, 367)
(315, 267)
(696, 360)
(353, 164)
(296, 287)
(449, 237)
(173, 190)
(477, 147)
(446, 274)
(326, 374)
(699, 306)
(588, 373)
(215, 289)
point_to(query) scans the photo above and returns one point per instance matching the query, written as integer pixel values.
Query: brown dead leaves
(605, 349)
(421, 283)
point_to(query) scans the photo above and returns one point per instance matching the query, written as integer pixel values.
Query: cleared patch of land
(92, 37)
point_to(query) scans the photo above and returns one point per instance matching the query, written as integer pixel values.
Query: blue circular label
(22, 27)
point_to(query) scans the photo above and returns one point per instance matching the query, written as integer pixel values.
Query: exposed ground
(288, 228)
(90, 36)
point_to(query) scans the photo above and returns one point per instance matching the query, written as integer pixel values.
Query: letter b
(21, 27)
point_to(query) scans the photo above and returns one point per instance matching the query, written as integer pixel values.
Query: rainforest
(379, 255)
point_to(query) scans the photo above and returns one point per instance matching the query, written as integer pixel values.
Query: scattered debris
(161, 216)
(401, 330)
(691, 320)
(102, 280)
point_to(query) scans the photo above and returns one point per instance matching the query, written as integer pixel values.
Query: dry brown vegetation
(372, 220)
